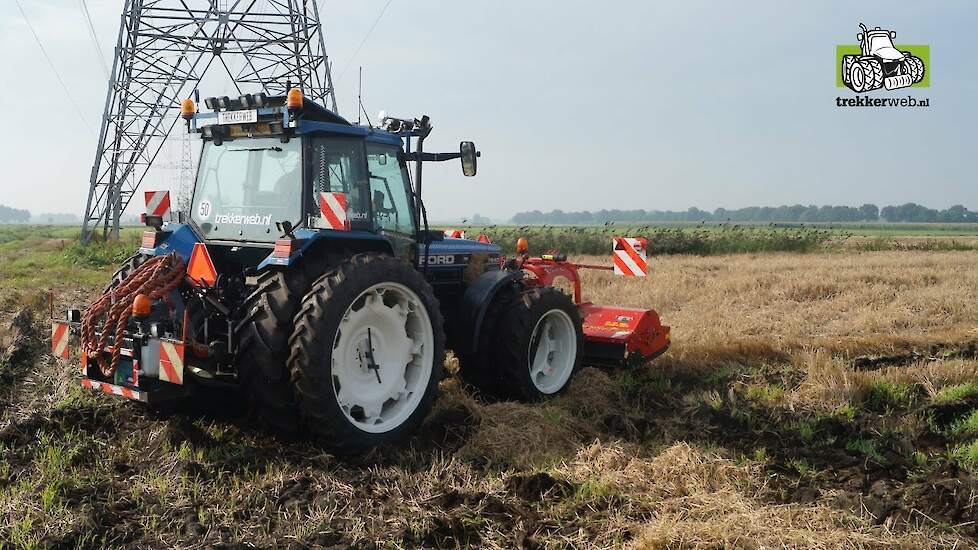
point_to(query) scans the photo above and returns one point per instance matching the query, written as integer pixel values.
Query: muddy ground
(80, 470)
(857, 433)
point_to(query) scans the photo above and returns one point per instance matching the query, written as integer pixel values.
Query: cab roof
(312, 118)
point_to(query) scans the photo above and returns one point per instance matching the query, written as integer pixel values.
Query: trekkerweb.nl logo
(877, 63)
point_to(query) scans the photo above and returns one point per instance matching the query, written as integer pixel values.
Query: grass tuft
(865, 447)
(967, 425)
(957, 392)
(884, 395)
(966, 455)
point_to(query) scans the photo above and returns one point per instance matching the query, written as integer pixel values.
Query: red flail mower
(613, 335)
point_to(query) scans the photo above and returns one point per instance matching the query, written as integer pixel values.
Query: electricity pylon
(163, 50)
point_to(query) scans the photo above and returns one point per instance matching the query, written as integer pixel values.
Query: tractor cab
(284, 167)
(878, 42)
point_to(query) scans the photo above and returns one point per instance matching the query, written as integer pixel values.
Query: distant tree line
(909, 212)
(13, 215)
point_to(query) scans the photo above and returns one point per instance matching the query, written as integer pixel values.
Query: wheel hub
(555, 354)
(382, 355)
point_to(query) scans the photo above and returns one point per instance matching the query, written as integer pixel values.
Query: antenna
(360, 101)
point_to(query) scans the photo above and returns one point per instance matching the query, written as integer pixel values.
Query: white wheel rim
(403, 347)
(553, 351)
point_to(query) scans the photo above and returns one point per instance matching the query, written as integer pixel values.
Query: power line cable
(94, 35)
(53, 68)
(364, 41)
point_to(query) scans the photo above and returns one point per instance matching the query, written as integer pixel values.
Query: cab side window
(389, 191)
(336, 166)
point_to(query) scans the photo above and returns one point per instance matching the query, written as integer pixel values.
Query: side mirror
(859, 37)
(469, 156)
(892, 34)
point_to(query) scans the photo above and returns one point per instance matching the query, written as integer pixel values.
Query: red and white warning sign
(112, 389)
(59, 340)
(455, 233)
(332, 206)
(171, 361)
(629, 256)
(157, 203)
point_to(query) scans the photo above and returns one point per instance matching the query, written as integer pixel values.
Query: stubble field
(817, 400)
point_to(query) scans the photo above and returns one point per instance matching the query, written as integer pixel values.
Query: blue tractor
(304, 278)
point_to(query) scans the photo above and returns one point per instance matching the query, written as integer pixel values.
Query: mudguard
(476, 301)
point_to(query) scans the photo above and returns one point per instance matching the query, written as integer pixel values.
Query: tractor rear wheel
(366, 353)
(847, 62)
(263, 334)
(874, 72)
(866, 74)
(857, 78)
(263, 349)
(537, 344)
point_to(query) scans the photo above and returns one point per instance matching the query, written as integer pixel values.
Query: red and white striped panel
(630, 257)
(59, 340)
(332, 207)
(112, 389)
(171, 361)
(157, 203)
(455, 233)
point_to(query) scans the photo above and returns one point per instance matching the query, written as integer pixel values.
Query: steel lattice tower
(164, 49)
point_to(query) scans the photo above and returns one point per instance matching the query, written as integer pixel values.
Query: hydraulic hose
(155, 278)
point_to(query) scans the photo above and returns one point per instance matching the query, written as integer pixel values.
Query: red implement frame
(613, 334)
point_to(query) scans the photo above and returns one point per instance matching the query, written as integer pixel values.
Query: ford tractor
(880, 64)
(305, 281)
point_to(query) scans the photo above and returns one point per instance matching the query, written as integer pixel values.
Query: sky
(575, 105)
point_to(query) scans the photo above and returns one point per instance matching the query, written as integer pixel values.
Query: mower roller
(304, 279)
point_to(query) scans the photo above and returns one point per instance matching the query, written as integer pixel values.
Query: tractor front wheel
(366, 353)
(915, 68)
(537, 344)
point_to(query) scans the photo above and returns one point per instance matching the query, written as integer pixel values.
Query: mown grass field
(819, 398)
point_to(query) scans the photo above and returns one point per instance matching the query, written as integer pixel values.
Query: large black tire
(512, 346)
(263, 349)
(920, 69)
(847, 62)
(477, 369)
(312, 345)
(865, 74)
(874, 72)
(857, 78)
(263, 343)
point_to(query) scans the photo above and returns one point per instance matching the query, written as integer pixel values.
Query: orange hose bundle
(155, 278)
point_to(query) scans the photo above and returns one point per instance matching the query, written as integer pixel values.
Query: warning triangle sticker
(201, 268)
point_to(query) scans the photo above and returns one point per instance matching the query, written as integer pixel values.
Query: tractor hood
(889, 54)
(459, 252)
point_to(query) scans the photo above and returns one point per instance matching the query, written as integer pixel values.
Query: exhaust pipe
(900, 81)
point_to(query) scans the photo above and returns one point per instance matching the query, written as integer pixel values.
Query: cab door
(390, 197)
